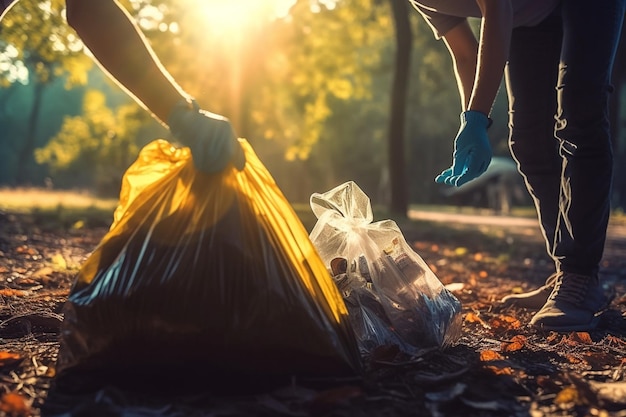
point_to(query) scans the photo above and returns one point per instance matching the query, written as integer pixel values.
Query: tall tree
(46, 48)
(397, 163)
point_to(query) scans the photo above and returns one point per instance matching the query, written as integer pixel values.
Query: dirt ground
(499, 367)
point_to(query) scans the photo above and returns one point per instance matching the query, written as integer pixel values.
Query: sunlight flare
(236, 16)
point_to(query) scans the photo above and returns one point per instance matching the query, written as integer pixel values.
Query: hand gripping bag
(205, 274)
(392, 296)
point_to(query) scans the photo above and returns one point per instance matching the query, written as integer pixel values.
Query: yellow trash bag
(206, 273)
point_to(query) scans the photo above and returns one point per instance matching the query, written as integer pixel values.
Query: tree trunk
(25, 155)
(396, 159)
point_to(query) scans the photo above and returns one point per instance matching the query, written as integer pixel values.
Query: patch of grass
(71, 218)
(24, 200)
(59, 209)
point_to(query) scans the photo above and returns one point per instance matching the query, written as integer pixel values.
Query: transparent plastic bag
(392, 296)
(210, 274)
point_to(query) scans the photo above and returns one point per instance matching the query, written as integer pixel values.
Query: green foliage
(97, 146)
(309, 89)
(329, 59)
(36, 37)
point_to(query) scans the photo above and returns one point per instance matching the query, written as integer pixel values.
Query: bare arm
(121, 49)
(463, 48)
(490, 55)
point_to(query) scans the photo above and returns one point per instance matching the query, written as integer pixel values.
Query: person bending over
(556, 58)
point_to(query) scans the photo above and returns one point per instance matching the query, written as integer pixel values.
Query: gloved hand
(210, 137)
(472, 150)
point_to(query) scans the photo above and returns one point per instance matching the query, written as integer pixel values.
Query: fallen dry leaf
(472, 317)
(568, 395)
(504, 323)
(42, 272)
(490, 355)
(516, 343)
(8, 358)
(573, 358)
(10, 292)
(577, 338)
(14, 405)
(496, 370)
(615, 341)
(24, 249)
(59, 262)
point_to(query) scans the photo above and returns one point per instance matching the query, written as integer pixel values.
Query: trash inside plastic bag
(392, 296)
(212, 274)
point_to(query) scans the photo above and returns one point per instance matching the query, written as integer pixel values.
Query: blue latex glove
(472, 150)
(210, 137)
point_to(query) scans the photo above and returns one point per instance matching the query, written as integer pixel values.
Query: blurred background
(326, 91)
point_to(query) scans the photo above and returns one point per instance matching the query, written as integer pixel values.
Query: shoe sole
(572, 328)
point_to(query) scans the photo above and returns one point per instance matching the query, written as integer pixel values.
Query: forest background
(326, 91)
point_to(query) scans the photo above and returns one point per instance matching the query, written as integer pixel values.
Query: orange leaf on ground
(503, 322)
(615, 340)
(7, 358)
(569, 395)
(500, 371)
(516, 343)
(472, 317)
(10, 292)
(483, 274)
(490, 355)
(27, 250)
(14, 405)
(577, 338)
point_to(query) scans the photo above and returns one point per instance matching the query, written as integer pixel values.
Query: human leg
(531, 75)
(590, 37)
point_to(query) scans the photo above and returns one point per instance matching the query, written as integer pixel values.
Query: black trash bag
(205, 275)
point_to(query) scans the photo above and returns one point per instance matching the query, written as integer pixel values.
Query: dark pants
(559, 81)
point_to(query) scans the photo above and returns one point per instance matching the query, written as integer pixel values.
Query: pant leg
(531, 75)
(591, 34)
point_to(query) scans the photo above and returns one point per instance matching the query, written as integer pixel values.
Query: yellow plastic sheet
(210, 272)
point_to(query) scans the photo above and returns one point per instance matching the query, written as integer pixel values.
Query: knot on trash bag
(346, 200)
